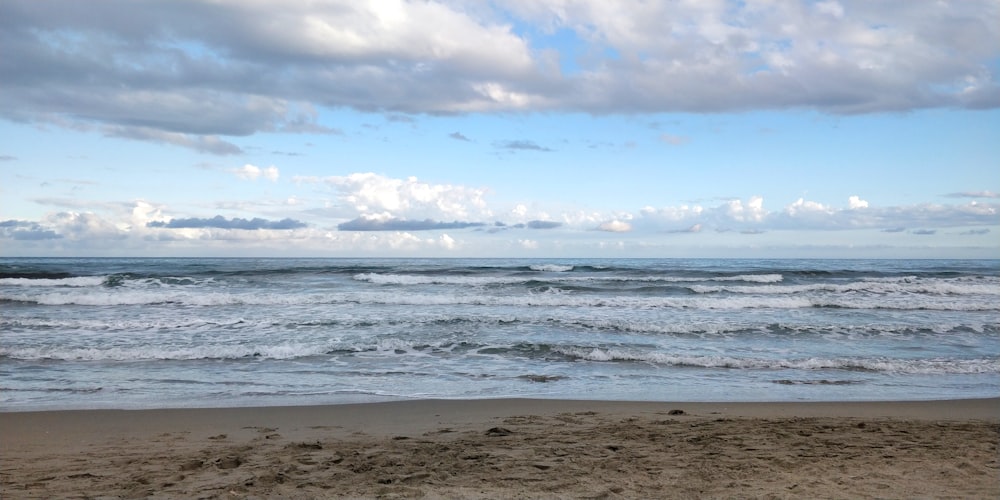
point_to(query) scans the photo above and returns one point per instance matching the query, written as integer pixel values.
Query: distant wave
(552, 353)
(473, 280)
(551, 268)
(547, 298)
(693, 326)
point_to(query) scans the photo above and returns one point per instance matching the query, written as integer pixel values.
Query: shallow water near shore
(145, 333)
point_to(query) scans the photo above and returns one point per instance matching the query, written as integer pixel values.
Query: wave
(431, 279)
(551, 268)
(882, 365)
(538, 352)
(112, 280)
(161, 353)
(549, 298)
(75, 282)
(697, 327)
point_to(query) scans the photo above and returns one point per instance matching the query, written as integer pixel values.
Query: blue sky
(510, 128)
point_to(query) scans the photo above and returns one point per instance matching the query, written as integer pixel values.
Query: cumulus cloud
(220, 222)
(751, 211)
(26, 230)
(192, 73)
(252, 172)
(83, 226)
(369, 194)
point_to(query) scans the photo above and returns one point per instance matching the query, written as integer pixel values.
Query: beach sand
(509, 449)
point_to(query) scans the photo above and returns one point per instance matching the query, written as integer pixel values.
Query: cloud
(543, 224)
(924, 232)
(7, 158)
(83, 226)
(193, 73)
(459, 137)
(252, 172)
(521, 145)
(393, 224)
(976, 232)
(615, 226)
(805, 214)
(220, 222)
(26, 231)
(369, 194)
(974, 194)
(674, 140)
(696, 228)
(211, 144)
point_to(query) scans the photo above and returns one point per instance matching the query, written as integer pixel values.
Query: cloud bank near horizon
(197, 74)
(389, 210)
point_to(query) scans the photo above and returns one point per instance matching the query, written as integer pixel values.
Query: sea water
(142, 333)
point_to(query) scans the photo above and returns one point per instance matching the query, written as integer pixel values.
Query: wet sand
(510, 448)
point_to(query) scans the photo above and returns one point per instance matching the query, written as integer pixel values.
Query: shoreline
(509, 448)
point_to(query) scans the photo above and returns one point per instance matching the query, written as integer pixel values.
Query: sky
(509, 128)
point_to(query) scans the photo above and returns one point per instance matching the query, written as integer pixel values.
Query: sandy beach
(509, 449)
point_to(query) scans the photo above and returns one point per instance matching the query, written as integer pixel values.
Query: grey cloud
(894, 230)
(7, 158)
(398, 118)
(543, 224)
(188, 70)
(26, 231)
(203, 143)
(975, 232)
(220, 222)
(365, 224)
(521, 145)
(974, 194)
(458, 136)
(924, 232)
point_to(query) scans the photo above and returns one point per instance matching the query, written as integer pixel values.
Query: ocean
(157, 333)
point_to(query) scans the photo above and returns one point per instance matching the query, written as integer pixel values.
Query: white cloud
(615, 226)
(447, 242)
(83, 226)
(830, 8)
(855, 203)
(753, 211)
(252, 172)
(370, 195)
(803, 207)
